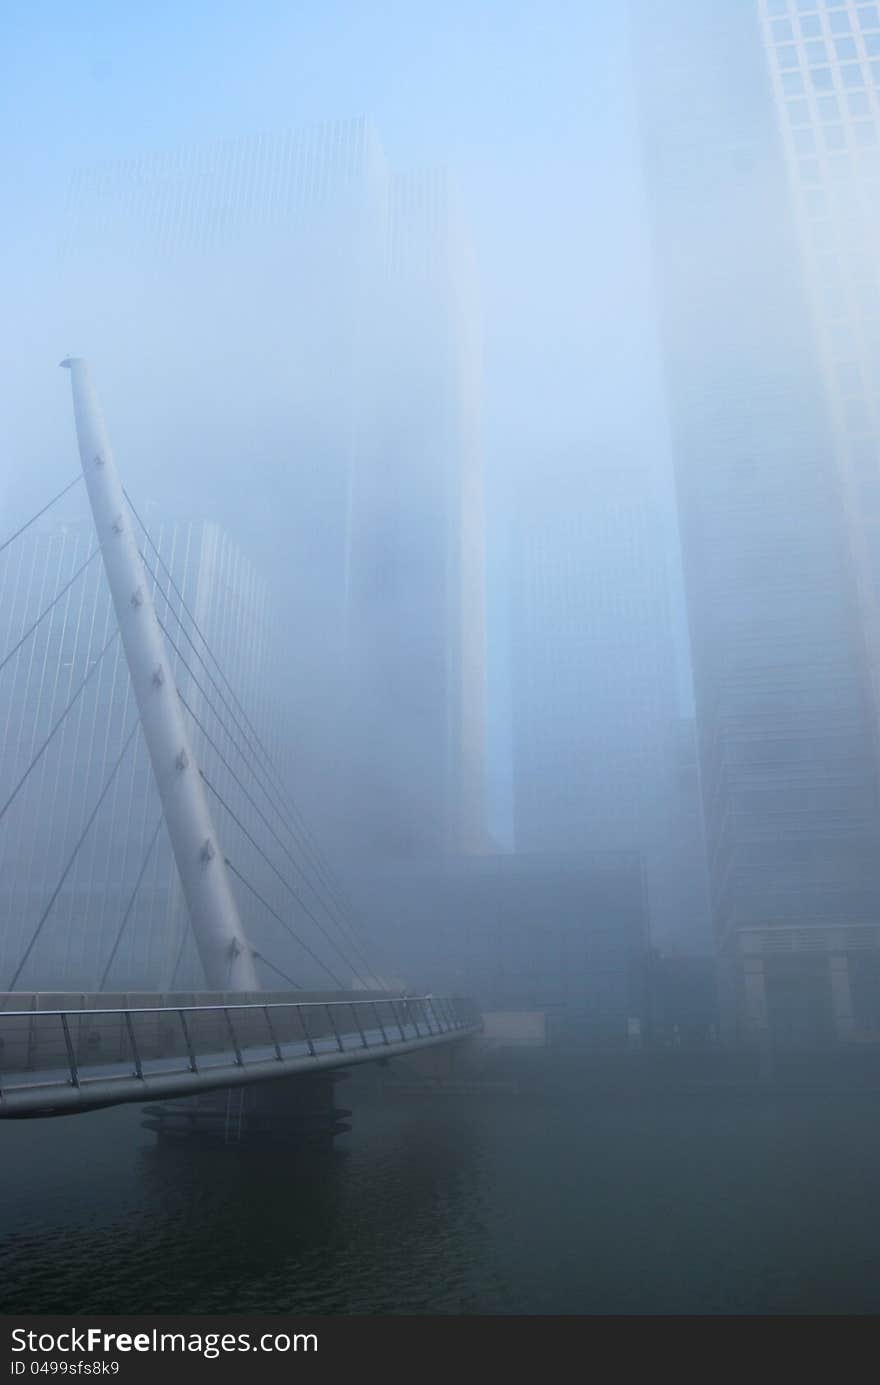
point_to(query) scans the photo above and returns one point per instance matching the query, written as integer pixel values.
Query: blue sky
(529, 102)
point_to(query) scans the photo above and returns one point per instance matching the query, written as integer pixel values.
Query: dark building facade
(565, 934)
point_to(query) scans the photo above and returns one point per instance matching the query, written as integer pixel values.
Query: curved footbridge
(64, 1054)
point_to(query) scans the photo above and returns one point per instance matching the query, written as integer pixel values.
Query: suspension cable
(268, 764)
(291, 858)
(33, 519)
(73, 855)
(58, 723)
(342, 927)
(272, 866)
(247, 761)
(183, 937)
(54, 602)
(283, 878)
(266, 905)
(258, 957)
(131, 899)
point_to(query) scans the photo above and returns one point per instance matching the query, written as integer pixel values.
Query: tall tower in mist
(310, 316)
(824, 62)
(782, 673)
(599, 739)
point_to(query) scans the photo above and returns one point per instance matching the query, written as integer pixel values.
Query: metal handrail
(369, 1041)
(250, 1005)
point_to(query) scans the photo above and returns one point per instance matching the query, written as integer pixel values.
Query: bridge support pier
(295, 1112)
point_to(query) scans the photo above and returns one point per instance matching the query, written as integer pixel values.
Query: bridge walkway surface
(67, 1060)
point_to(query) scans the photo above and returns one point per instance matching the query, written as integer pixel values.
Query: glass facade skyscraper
(333, 426)
(781, 657)
(597, 730)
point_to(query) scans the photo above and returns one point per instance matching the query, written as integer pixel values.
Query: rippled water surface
(478, 1204)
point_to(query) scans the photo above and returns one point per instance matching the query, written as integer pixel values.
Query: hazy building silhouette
(600, 747)
(783, 687)
(333, 424)
(563, 933)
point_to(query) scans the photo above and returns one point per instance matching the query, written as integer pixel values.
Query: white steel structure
(225, 954)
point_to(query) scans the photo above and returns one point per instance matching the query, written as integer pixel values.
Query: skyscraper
(782, 682)
(824, 61)
(314, 315)
(596, 724)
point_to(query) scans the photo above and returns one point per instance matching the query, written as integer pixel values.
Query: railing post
(239, 1061)
(424, 1010)
(71, 1057)
(305, 1026)
(397, 1020)
(379, 1022)
(339, 1042)
(438, 1022)
(271, 1029)
(138, 1066)
(193, 1065)
(357, 1020)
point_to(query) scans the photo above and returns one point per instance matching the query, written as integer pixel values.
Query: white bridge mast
(223, 948)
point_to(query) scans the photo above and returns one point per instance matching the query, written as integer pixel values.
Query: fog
(495, 393)
(493, 368)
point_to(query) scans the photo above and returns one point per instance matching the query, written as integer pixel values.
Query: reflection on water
(478, 1204)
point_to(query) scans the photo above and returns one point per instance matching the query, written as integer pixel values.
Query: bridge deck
(57, 1061)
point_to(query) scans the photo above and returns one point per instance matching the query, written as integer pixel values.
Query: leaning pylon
(226, 956)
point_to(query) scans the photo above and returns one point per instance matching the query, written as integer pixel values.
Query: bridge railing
(74, 1046)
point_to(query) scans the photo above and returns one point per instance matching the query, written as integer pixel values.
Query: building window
(869, 17)
(828, 108)
(787, 56)
(811, 27)
(817, 54)
(804, 142)
(792, 83)
(799, 112)
(872, 44)
(852, 75)
(821, 78)
(835, 137)
(839, 22)
(782, 30)
(866, 133)
(846, 49)
(858, 103)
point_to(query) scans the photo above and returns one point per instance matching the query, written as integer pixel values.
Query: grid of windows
(825, 64)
